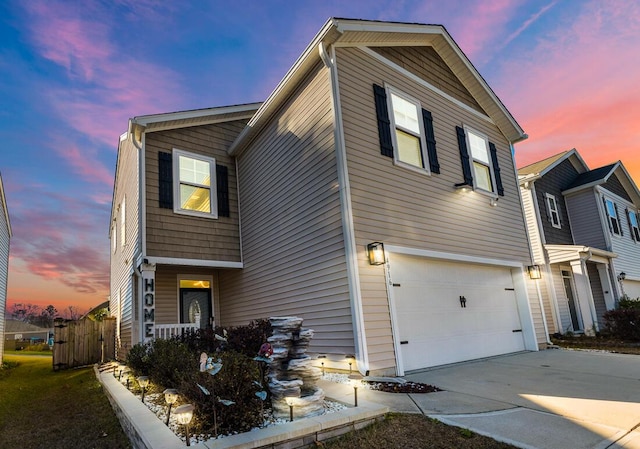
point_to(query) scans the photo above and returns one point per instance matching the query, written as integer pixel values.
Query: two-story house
(5, 236)
(583, 227)
(373, 193)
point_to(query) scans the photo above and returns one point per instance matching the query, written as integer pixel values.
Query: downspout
(351, 254)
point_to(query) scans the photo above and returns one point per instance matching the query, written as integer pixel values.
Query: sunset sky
(73, 72)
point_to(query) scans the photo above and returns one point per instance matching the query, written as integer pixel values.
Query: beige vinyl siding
(4, 266)
(407, 208)
(122, 280)
(561, 294)
(597, 292)
(168, 291)
(185, 236)
(293, 248)
(425, 63)
(584, 209)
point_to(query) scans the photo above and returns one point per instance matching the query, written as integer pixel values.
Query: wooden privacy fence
(83, 342)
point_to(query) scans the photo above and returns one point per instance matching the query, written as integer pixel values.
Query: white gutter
(351, 253)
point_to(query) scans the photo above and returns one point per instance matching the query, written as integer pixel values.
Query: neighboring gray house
(583, 227)
(17, 331)
(374, 194)
(5, 236)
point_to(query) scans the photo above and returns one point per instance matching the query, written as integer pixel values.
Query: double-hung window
(633, 225)
(193, 184)
(552, 209)
(612, 214)
(481, 160)
(408, 136)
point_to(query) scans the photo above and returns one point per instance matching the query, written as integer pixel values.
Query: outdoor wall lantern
(291, 401)
(143, 381)
(622, 276)
(354, 383)
(534, 272)
(170, 397)
(462, 186)
(184, 414)
(375, 251)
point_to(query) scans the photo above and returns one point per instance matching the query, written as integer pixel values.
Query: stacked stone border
(146, 431)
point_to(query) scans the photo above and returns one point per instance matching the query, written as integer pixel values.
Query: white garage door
(436, 327)
(632, 288)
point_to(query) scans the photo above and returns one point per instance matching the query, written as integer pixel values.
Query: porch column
(148, 302)
(585, 298)
(607, 288)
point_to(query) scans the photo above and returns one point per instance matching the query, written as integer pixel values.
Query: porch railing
(166, 331)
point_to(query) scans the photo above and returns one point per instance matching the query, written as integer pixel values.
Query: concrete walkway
(551, 399)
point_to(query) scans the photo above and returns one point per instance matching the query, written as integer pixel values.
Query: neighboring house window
(479, 159)
(612, 214)
(194, 176)
(182, 190)
(552, 208)
(123, 223)
(633, 225)
(405, 130)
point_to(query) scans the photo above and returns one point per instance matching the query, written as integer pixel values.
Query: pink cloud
(578, 87)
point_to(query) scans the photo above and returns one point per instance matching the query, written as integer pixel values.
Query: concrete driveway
(549, 399)
(552, 399)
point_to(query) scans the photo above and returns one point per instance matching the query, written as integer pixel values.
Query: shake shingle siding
(293, 247)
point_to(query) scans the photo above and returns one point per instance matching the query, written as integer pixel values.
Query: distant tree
(34, 314)
(72, 313)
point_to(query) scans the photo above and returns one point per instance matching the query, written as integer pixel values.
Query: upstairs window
(633, 225)
(479, 159)
(552, 209)
(193, 192)
(612, 214)
(405, 130)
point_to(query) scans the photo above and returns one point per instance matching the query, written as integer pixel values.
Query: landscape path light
(170, 397)
(355, 382)
(184, 414)
(121, 369)
(144, 383)
(291, 401)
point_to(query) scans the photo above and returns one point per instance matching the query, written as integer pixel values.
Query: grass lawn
(40, 408)
(402, 431)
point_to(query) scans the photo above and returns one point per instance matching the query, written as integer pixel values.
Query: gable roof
(541, 168)
(13, 326)
(351, 32)
(601, 175)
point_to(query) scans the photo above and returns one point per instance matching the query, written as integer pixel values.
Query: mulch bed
(407, 387)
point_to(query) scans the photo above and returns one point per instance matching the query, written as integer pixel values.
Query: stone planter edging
(146, 431)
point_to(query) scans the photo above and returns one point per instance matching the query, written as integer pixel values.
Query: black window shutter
(222, 187)
(615, 206)
(626, 215)
(464, 156)
(384, 124)
(606, 212)
(496, 171)
(431, 141)
(165, 180)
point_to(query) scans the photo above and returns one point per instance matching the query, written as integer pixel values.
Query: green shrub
(138, 359)
(627, 303)
(38, 347)
(244, 339)
(169, 362)
(236, 382)
(623, 323)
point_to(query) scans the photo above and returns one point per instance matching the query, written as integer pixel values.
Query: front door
(567, 279)
(195, 306)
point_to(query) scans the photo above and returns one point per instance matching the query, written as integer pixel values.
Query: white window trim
(552, 199)
(610, 218)
(634, 229)
(493, 193)
(123, 223)
(213, 197)
(423, 141)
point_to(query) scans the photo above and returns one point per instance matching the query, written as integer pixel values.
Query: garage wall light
(375, 251)
(534, 272)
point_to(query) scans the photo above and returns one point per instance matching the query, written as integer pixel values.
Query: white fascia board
(145, 120)
(344, 25)
(193, 262)
(452, 256)
(582, 249)
(572, 152)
